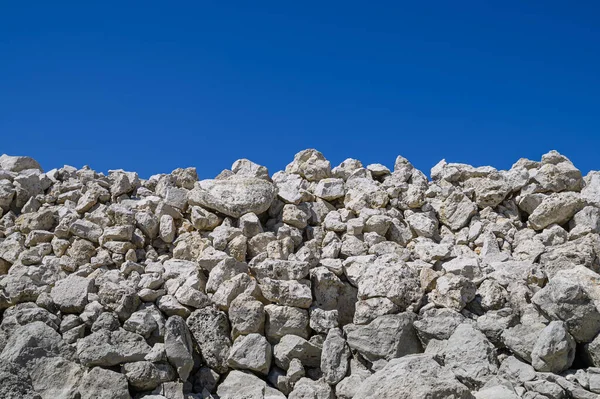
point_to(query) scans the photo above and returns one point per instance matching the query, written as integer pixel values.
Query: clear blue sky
(154, 85)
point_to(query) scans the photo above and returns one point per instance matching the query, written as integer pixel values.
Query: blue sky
(151, 86)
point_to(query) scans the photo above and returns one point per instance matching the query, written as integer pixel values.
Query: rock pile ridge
(316, 282)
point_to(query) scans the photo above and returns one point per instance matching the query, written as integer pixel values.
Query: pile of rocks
(314, 283)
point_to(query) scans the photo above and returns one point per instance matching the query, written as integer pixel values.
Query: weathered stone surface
(110, 348)
(554, 351)
(335, 357)
(386, 337)
(71, 294)
(234, 196)
(413, 377)
(102, 383)
(251, 352)
(210, 328)
(179, 346)
(470, 356)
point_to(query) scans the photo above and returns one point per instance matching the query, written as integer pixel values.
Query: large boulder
(413, 377)
(234, 196)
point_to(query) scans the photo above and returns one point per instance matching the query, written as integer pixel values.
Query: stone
(234, 196)
(99, 383)
(413, 377)
(555, 209)
(470, 356)
(330, 189)
(142, 376)
(210, 329)
(554, 350)
(179, 346)
(311, 165)
(294, 347)
(247, 315)
(335, 357)
(285, 320)
(437, 323)
(110, 348)
(287, 292)
(71, 293)
(250, 352)
(566, 300)
(18, 163)
(386, 337)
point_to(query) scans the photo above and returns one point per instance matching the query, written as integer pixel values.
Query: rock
(437, 323)
(285, 320)
(178, 346)
(56, 377)
(18, 163)
(556, 208)
(247, 315)
(335, 357)
(250, 352)
(110, 348)
(413, 377)
(554, 351)
(239, 385)
(386, 337)
(142, 376)
(566, 300)
(16, 383)
(311, 165)
(294, 347)
(470, 356)
(234, 196)
(71, 294)
(330, 189)
(210, 328)
(101, 383)
(287, 293)
(280, 269)
(456, 211)
(31, 342)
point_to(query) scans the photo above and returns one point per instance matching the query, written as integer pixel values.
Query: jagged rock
(234, 196)
(102, 383)
(413, 377)
(71, 293)
(554, 350)
(109, 348)
(284, 320)
(334, 357)
(386, 337)
(178, 346)
(556, 208)
(250, 352)
(210, 328)
(294, 347)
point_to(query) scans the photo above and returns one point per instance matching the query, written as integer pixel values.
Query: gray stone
(554, 350)
(101, 383)
(386, 337)
(210, 328)
(470, 356)
(413, 377)
(178, 346)
(233, 196)
(71, 293)
(110, 348)
(251, 352)
(556, 208)
(335, 357)
(294, 347)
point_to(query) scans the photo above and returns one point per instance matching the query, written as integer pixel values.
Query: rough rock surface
(320, 282)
